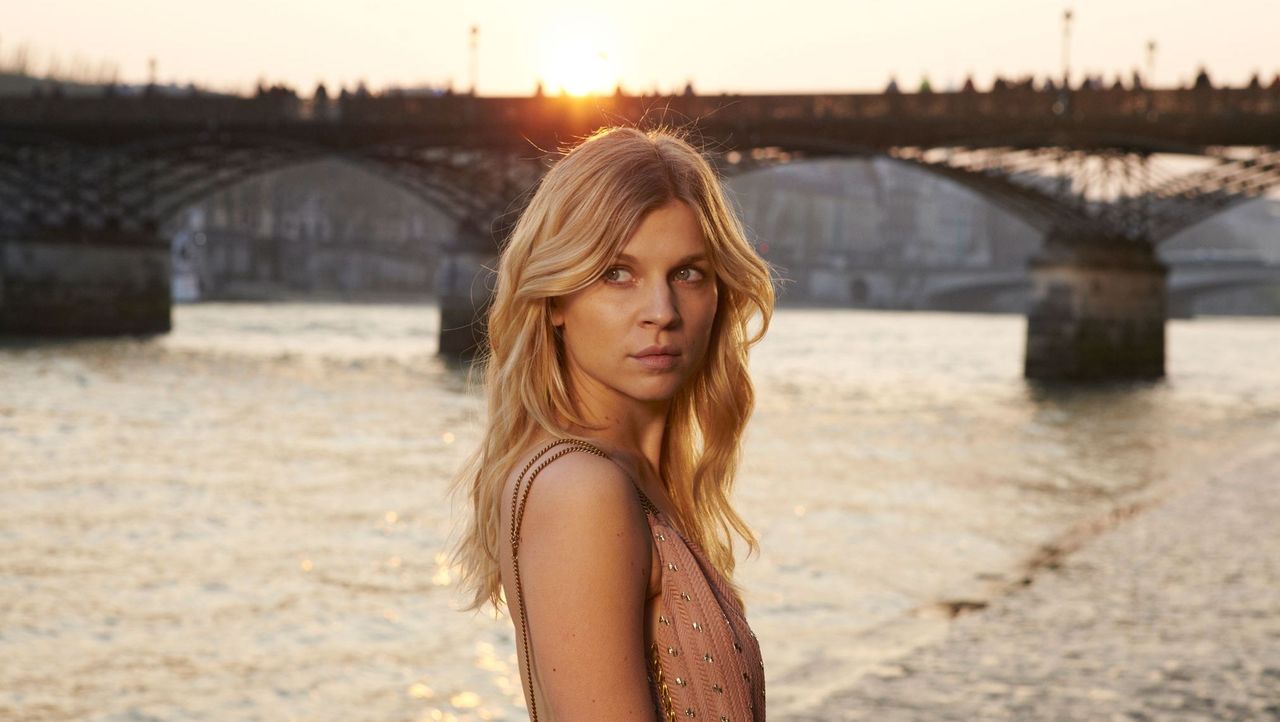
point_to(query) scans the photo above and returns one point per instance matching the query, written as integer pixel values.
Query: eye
(692, 274)
(617, 274)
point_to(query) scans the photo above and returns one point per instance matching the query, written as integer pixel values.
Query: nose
(660, 307)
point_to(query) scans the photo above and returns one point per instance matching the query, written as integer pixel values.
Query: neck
(629, 428)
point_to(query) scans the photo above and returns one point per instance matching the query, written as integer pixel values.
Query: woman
(616, 377)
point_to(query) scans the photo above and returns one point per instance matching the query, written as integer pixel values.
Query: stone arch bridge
(85, 183)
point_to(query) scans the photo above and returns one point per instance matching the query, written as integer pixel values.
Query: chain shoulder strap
(517, 515)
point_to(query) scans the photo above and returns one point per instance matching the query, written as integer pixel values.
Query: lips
(658, 358)
(667, 350)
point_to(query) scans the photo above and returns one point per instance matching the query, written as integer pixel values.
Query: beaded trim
(668, 708)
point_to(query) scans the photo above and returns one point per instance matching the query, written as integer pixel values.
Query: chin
(659, 389)
(653, 394)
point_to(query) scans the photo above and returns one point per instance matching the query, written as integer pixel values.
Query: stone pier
(1097, 310)
(83, 282)
(465, 280)
(464, 286)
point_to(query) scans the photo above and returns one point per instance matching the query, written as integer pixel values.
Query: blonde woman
(617, 388)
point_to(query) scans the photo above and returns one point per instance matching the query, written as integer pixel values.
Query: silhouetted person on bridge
(968, 87)
(925, 87)
(892, 87)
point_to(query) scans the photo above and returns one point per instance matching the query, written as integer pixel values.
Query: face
(659, 294)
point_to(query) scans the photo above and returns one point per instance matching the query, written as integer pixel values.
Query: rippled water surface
(245, 519)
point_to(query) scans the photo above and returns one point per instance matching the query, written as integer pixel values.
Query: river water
(245, 519)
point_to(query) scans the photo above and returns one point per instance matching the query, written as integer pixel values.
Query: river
(245, 519)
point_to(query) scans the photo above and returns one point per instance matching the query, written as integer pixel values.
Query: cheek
(703, 318)
(597, 330)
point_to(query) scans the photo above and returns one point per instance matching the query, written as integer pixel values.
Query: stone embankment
(1173, 614)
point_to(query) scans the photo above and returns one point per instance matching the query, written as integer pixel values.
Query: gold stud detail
(662, 537)
(675, 653)
(707, 656)
(663, 620)
(671, 566)
(723, 718)
(718, 688)
(737, 647)
(685, 596)
(697, 626)
(680, 681)
(688, 712)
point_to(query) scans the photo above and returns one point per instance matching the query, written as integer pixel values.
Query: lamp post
(1066, 48)
(1151, 63)
(475, 38)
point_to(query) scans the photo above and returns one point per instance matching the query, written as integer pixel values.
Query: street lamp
(1066, 48)
(475, 37)
(1151, 63)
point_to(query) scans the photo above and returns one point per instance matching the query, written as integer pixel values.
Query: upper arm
(584, 570)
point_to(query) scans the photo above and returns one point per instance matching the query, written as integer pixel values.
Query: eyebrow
(687, 259)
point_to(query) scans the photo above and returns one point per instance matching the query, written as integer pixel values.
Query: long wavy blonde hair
(583, 212)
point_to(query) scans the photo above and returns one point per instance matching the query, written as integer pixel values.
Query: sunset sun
(578, 62)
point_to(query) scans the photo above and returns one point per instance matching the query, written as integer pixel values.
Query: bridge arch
(1164, 209)
(144, 184)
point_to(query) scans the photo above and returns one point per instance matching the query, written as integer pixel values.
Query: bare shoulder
(584, 570)
(576, 489)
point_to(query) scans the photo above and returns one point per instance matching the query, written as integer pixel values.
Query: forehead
(669, 232)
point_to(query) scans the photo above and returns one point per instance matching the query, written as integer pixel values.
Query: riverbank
(1170, 615)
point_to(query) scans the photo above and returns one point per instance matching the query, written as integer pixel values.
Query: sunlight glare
(578, 60)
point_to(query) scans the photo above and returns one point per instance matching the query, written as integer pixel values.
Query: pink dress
(704, 660)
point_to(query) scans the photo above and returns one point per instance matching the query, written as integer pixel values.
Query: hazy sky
(739, 45)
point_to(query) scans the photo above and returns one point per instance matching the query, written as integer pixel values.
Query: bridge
(86, 182)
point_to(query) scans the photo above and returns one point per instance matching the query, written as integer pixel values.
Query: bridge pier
(464, 287)
(1097, 310)
(68, 281)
